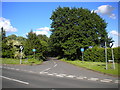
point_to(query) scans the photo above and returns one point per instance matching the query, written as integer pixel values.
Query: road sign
(82, 49)
(33, 50)
(111, 44)
(21, 47)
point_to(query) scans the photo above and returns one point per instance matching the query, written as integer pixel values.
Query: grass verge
(17, 61)
(96, 66)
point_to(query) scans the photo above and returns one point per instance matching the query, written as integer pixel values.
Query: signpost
(34, 50)
(106, 55)
(82, 50)
(111, 44)
(21, 48)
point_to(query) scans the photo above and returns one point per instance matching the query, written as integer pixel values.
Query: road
(54, 74)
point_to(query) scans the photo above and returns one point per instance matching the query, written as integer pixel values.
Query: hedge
(97, 54)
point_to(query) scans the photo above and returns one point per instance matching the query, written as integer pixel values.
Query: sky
(21, 17)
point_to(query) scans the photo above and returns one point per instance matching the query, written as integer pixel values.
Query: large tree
(5, 48)
(32, 42)
(75, 28)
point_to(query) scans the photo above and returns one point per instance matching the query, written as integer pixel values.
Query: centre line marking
(14, 80)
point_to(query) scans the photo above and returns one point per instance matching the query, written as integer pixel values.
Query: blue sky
(24, 16)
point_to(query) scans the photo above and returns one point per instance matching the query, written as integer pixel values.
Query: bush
(37, 56)
(97, 54)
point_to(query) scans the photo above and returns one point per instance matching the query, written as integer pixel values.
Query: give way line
(15, 80)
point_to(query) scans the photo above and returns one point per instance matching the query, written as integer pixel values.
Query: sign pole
(21, 48)
(106, 55)
(82, 50)
(111, 44)
(113, 58)
(82, 57)
(34, 55)
(34, 50)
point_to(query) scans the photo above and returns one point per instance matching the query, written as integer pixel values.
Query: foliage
(35, 42)
(75, 28)
(97, 54)
(44, 40)
(6, 49)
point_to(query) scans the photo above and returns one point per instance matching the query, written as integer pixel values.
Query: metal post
(82, 57)
(106, 55)
(21, 48)
(113, 58)
(34, 55)
(21, 57)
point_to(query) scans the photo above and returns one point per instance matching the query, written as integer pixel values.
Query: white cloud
(6, 24)
(115, 33)
(106, 10)
(41, 32)
(44, 29)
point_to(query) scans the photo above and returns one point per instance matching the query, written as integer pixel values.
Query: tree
(12, 37)
(6, 49)
(44, 42)
(32, 42)
(75, 28)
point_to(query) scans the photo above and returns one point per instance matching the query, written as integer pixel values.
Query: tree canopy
(75, 28)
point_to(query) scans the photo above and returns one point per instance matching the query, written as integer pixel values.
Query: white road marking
(55, 65)
(93, 79)
(17, 69)
(70, 76)
(46, 69)
(81, 77)
(43, 72)
(14, 80)
(55, 73)
(50, 74)
(59, 75)
(31, 71)
(63, 74)
(106, 80)
(117, 81)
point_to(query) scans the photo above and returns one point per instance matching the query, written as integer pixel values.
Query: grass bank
(17, 61)
(96, 66)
